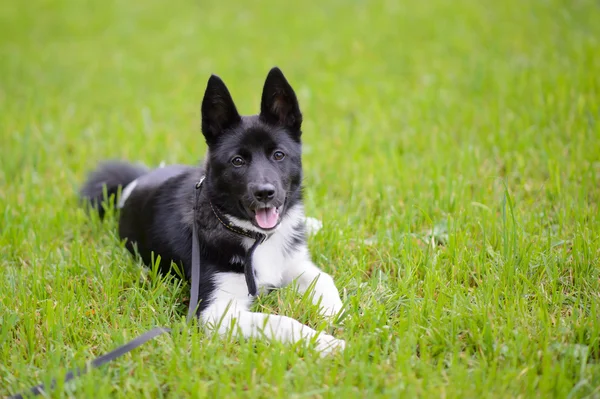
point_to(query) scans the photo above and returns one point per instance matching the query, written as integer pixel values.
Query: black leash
(99, 361)
(194, 291)
(194, 297)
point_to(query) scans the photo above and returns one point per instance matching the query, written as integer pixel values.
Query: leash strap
(194, 291)
(249, 270)
(142, 339)
(99, 361)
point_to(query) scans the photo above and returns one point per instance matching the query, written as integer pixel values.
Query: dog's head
(254, 162)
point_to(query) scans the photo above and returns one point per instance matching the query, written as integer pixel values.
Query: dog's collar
(258, 238)
(229, 225)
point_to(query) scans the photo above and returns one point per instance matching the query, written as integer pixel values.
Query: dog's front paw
(327, 344)
(330, 308)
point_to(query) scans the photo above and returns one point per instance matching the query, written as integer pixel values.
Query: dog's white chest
(269, 262)
(274, 256)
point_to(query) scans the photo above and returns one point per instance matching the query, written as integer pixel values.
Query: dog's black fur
(157, 217)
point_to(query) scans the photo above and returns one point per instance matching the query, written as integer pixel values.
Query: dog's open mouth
(267, 217)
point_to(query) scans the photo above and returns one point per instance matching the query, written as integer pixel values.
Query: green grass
(452, 149)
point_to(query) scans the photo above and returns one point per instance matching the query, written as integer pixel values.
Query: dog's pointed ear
(279, 104)
(218, 109)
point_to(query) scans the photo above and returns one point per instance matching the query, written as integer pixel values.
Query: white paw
(330, 308)
(327, 344)
(312, 225)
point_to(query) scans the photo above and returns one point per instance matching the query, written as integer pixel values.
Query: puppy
(248, 210)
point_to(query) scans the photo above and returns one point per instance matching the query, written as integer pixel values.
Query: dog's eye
(238, 161)
(278, 155)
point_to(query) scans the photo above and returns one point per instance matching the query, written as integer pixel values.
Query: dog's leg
(306, 273)
(229, 311)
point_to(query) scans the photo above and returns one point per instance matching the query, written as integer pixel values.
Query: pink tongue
(267, 217)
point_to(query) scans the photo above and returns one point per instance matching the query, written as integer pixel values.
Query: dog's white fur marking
(126, 193)
(130, 187)
(313, 225)
(236, 260)
(305, 273)
(228, 309)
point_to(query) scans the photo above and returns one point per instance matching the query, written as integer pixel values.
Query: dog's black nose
(264, 192)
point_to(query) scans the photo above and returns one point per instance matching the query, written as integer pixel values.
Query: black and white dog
(252, 182)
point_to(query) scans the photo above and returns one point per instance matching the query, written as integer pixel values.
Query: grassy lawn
(452, 150)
